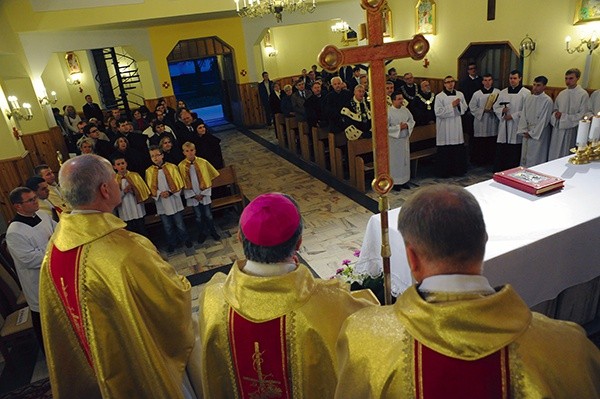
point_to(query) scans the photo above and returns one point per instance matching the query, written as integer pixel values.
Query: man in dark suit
(92, 110)
(264, 91)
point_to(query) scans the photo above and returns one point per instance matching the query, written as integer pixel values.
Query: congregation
(475, 122)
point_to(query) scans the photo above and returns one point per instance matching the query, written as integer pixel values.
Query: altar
(547, 247)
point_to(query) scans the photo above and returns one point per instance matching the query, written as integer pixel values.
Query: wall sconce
(270, 50)
(49, 100)
(592, 44)
(75, 79)
(527, 46)
(17, 111)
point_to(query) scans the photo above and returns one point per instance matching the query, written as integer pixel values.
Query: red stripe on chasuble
(64, 271)
(440, 376)
(259, 354)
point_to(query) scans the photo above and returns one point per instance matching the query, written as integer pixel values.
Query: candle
(27, 107)
(14, 102)
(595, 128)
(582, 133)
(237, 5)
(54, 97)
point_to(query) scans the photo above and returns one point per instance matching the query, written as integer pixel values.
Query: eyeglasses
(450, 81)
(30, 200)
(94, 131)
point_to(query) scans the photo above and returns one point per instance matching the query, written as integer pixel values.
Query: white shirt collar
(456, 283)
(268, 269)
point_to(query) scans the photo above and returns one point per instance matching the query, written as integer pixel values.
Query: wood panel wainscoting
(13, 173)
(42, 147)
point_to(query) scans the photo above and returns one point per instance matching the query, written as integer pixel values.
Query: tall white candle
(595, 128)
(582, 133)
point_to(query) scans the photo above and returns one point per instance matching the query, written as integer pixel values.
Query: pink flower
(357, 252)
(346, 262)
(339, 271)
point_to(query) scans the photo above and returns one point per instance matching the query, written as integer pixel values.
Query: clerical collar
(259, 269)
(514, 90)
(450, 93)
(30, 221)
(487, 91)
(456, 283)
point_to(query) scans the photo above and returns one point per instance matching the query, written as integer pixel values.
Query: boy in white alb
(134, 192)
(165, 185)
(198, 174)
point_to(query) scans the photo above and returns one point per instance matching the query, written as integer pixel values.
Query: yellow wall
(547, 22)
(298, 47)
(163, 38)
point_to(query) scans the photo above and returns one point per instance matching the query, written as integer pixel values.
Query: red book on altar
(528, 180)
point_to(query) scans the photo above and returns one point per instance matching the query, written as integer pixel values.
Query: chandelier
(340, 27)
(258, 8)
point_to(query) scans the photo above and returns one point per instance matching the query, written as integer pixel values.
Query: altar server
(534, 124)
(400, 127)
(508, 109)
(449, 105)
(485, 122)
(570, 106)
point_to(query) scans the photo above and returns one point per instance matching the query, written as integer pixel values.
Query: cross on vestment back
(376, 52)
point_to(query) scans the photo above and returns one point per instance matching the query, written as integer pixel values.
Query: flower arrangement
(358, 281)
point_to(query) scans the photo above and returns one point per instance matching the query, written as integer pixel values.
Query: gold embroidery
(265, 387)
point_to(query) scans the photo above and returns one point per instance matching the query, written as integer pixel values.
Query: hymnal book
(528, 180)
(490, 101)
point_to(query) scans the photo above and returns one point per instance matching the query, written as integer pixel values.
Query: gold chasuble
(272, 337)
(116, 318)
(205, 172)
(464, 345)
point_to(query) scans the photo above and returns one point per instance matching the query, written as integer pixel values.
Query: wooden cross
(491, 10)
(376, 53)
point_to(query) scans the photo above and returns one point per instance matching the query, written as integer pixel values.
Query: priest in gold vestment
(453, 335)
(116, 318)
(268, 329)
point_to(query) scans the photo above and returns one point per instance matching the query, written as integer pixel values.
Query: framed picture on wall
(73, 64)
(425, 17)
(586, 11)
(386, 14)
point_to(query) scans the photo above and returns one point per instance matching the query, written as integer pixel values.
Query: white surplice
(399, 143)
(572, 104)
(448, 124)
(535, 120)
(129, 208)
(485, 124)
(507, 129)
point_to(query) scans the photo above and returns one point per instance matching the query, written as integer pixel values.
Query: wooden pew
(304, 133)
(361, 167)
(291, 128)
(280, 131)
(320, 141)
(336, 143)
(356, 148)
(422, 133)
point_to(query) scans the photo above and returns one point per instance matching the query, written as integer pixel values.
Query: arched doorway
(496, 58)
(203, 75)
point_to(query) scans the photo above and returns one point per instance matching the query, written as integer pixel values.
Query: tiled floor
(334, 223)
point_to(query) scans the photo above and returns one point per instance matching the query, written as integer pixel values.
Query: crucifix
(376, 53)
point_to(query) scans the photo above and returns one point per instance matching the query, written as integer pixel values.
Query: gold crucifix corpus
(376, 53)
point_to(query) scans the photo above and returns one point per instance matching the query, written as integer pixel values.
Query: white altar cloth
(539, 245)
